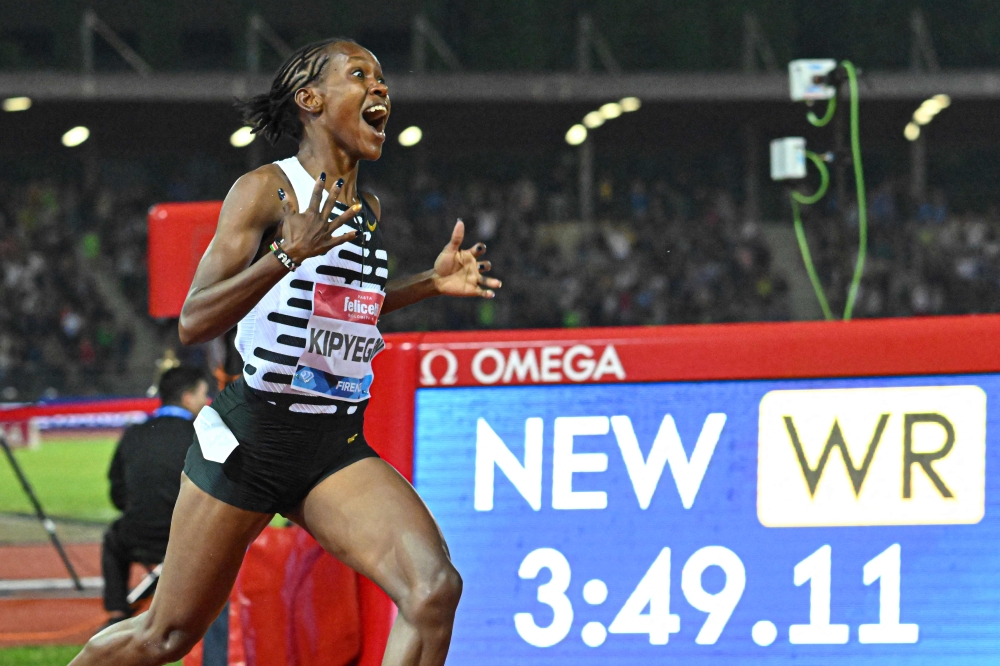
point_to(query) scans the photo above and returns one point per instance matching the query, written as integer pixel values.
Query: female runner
(288, 437)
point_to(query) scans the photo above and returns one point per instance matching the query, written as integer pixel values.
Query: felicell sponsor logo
(347, 304)
(872, 456)
(360, 306)
(532, 365)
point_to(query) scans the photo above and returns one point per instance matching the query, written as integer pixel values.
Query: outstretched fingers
(341, 220)
(317, 195)
(331, 200)
(485, 285)
(457, 236)
(490, 284)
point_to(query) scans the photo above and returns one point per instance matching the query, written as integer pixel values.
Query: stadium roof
(513, 87)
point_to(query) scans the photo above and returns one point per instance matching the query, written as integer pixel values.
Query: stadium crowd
(57, 333)
(657, 254)
(931, 262)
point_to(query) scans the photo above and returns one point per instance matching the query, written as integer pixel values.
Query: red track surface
(70, 620)
(42, 561)
(49, 621)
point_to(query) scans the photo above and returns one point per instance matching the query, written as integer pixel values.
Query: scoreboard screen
(841, 520)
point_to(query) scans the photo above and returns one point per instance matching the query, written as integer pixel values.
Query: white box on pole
(788, 158)
(806, 79)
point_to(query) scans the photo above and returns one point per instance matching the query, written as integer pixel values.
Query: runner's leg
(208, 539)
(372, 519)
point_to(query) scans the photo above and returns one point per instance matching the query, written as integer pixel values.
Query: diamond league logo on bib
(315, 380)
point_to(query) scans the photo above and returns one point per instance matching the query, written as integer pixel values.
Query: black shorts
(281, 456)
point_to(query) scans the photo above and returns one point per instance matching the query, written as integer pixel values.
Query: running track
(69, 619)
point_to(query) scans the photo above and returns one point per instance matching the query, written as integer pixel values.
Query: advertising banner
(827, 516)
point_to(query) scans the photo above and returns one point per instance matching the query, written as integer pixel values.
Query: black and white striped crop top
(311, 338)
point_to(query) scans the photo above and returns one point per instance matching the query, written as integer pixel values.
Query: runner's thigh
(370, 517)
(208, 539)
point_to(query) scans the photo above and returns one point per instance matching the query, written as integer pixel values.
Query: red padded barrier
(178, 236)
(295, 604)
(292, 605)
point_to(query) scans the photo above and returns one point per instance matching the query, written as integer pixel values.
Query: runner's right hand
(310, 233)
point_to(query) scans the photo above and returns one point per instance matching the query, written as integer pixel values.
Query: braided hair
(274, 114)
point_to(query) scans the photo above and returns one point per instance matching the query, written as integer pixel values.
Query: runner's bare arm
(456, 272)
(227, 285)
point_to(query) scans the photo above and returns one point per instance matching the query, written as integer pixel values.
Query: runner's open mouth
(376, 116)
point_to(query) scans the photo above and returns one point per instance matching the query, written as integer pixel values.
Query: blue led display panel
(848, 521)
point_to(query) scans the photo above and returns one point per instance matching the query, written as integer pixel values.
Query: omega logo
(427, 377)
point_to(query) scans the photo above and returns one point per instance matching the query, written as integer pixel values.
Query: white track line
(44, 584)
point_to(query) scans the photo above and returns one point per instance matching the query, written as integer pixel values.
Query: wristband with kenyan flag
(285, 260)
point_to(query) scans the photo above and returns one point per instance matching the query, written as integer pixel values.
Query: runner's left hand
(459, 272)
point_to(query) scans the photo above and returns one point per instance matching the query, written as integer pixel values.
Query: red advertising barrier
(863, 348)
(82, 407)
(178, 236)
(21, 424)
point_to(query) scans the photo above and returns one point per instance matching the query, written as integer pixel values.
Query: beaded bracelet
(285, 260)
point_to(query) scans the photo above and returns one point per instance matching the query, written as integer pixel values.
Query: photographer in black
(145, 479)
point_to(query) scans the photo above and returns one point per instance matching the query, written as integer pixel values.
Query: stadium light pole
(918, 171)
(257, 30)
(923, 59)
(755, 48)
(586, 179)
(588, 40)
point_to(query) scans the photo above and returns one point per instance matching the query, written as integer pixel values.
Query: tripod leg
(47, 523)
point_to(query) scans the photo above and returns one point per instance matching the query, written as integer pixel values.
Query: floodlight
(931, 107)
(242, 137)
(911, 131)
(924, 115)
(75, 136)
(593, 120)
(630, 104)
(576, 135)
(17, 104)
(611, 110)
(411, 136)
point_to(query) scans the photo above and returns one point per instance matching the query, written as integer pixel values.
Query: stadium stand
(660, 253)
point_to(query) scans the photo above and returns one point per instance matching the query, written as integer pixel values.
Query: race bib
(341, 342)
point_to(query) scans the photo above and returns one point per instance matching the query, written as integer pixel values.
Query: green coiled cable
(800, 234)
(859, 181)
